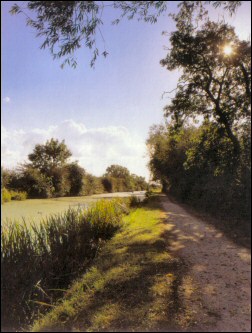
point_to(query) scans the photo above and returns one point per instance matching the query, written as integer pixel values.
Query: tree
(117, 171)
(53, 154)
(46, 175)
(196, 165)
(67, 25)
(36, 184)
(92, 185)
(5, 177)
(138, 183)
(117, 179)
(213, 84)
(108, 184)
(167, 150)
(75, 177)
(11, 179)
(60, 180)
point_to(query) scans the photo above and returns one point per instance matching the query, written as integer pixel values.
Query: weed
(134, 201)
(41, 258)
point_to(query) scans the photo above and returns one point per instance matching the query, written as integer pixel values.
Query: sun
(227, 50)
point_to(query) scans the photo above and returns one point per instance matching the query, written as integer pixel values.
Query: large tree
(46, 174)
(46, 157)
(65, 26)
(215, 81)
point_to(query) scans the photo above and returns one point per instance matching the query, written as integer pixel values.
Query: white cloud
(6, 99)
(94, 148)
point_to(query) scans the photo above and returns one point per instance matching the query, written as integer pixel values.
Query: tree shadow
(236, 230)
(145, 297)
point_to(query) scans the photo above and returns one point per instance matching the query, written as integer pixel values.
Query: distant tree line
(49, 174)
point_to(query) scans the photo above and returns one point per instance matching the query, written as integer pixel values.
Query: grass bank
(133, 285)
(40, 260)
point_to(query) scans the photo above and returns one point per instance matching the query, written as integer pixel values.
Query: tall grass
(134, 201)
(40, 260)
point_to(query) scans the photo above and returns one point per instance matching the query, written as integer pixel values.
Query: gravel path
(218, 286)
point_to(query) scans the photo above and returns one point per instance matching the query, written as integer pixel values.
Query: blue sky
(104, 114)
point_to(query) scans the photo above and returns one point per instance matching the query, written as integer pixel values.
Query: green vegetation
(208, 166)
(18, 195)
(133, 284)
(92, 185)
(213, 84)
(39, 260)
(6, 196)
(198, 166)
(12, 195)
(134, 201)
(67, 26)
(119, 179)
(49, 174)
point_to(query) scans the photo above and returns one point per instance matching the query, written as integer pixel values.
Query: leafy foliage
(117, 171)
(118, 179)
(92, 185)
(208, 166)
(75, 178)
(138, 183)
(212, 84)
(50, 175)
(65, 26)
(18, 195)
(199, 166)
(51, 155)
(35, 183)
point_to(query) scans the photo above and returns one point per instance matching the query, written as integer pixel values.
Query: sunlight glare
(228, 50)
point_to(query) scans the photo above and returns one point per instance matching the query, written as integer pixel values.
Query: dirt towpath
(219, 273)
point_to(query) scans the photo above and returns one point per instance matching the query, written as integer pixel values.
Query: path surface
(218, 286)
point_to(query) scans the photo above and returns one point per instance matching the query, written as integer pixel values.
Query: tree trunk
(230, 134)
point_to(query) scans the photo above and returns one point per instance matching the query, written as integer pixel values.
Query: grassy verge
(133, 285)
(39, 261)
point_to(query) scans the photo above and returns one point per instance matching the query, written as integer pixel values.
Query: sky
(103, 114)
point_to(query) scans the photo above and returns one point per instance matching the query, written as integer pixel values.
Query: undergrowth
(134, 285)
(39, 261)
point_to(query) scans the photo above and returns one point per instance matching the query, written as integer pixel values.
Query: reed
(40, 260)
